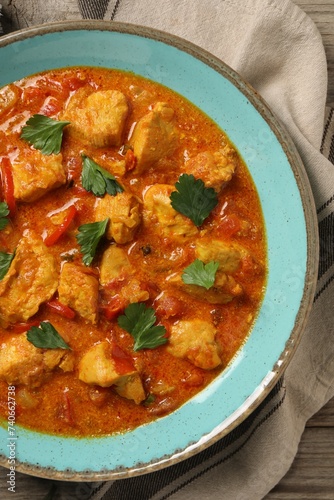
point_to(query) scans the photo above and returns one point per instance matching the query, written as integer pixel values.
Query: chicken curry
(132, 251)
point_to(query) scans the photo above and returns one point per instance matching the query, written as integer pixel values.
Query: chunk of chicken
(228, 255)
(225, 287)
(79, 289)
(115, 266)
(132, 292)
(98, 366)
(34, 174)
(158, 210)
(114, 263)
(124, 215)
(23, 363)
(8, 97)
(224, 290)
(215, 169)
(194, 340)
(154, 137)
(98, 117)
(31, 279)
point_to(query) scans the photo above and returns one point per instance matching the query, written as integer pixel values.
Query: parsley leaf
(200, 274)
(46, 336)
(193, 199)
(4, 211)
(44, 133)
(139, 320)
(89, 237)
(98, 180)
(5, 261)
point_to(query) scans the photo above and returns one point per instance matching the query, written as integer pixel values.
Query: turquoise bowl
(291, 228)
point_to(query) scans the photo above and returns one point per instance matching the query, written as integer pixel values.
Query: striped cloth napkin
(277, 48)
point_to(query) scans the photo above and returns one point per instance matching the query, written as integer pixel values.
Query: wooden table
(322, 13)
(312, 473)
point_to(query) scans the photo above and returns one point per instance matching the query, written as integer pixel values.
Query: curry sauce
(140, 242)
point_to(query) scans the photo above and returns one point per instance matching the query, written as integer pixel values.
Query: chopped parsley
(200, 274)
(193, 199)
(98, 180)
(139, 320)
(5, 261)
(44, 133)
(46, 336)
(4, 212)
(89, 237)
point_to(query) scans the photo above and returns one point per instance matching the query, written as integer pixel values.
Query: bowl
(289, 214)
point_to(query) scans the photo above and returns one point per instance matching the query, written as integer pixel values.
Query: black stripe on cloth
(146, 486)
(325, 205)
(113, 14)
(326, 240)
(331, 151)
(329, 119)
(93, 9)
(326, 226)
(323, 288)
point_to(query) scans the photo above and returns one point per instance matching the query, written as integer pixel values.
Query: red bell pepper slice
(8, 184)
(114, 307)
(52, 238)
(23, 327)
(130, 160)
(123, 362)
(62, 309)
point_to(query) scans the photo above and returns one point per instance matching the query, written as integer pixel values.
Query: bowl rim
(309, 209)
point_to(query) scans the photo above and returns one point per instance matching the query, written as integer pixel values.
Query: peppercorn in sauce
(132, 251)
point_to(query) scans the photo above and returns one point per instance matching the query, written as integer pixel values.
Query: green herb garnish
(138, 319)
(46, 336)
(44, 133)
(200, 274)
(4, 211)
(98, 180)
(5, 261)
(89, 237)
(149, 400)
(193, 199)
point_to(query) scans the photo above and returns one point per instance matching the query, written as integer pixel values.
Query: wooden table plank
(324, 418)
(322, 13)
(311, 476)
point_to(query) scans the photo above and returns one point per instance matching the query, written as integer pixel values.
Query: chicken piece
(114, 263)
(34, 174)
(79, 289)
(98, 117)
(115, 266)
(225, 287)
(9, 95)
(124, 215)
(133, 292)
(23, 363)
(224, 290)
(31, 279)
(158, 210)
(215, 169)
(228, 255)
(154, 137)
(98, 366)
(194, 340)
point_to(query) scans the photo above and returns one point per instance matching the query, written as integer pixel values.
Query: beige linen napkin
(277, 48)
